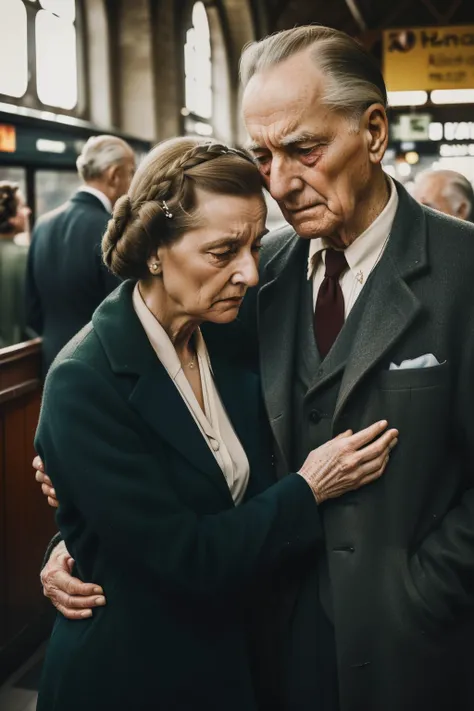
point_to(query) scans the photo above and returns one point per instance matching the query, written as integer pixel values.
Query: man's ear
(375, 124)
(113, 175)
(463, 210)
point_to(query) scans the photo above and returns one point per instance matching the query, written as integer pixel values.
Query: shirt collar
(99, 195)
(362, 255)
(160, 340)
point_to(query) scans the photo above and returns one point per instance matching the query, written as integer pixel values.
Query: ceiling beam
(356, 14)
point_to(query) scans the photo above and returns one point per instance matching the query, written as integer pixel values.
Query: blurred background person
(14, 224)
(447, 191)
(66, 278)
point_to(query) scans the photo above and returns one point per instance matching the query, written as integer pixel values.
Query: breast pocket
(414, 378)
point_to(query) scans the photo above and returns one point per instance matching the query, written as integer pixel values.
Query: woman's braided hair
(165, 184)
(8, 205)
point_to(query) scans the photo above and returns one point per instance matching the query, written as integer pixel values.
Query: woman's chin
(224, 315)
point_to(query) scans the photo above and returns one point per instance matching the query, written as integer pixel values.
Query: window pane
(191, 94)
(197, 65)
(56, 61)
(14, 65)
(200, 20)
(15, 175)
(62, 8)
(52, 188)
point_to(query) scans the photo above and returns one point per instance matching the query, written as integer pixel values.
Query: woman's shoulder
(84, 347)
(80, 362)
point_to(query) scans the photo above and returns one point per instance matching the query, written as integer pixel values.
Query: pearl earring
(155, 266)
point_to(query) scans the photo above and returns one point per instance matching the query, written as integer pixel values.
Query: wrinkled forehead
(276, 105)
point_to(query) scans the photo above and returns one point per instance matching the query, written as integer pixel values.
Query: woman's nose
(247, 273)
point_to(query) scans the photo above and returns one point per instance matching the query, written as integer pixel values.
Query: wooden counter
(26, 521)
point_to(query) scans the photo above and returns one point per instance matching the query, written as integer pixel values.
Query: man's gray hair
(100, 153)
(354, 80)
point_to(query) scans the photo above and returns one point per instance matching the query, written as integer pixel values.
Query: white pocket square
(424, 361)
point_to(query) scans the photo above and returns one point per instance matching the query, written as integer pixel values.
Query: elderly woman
(159, 456)
(14, 214)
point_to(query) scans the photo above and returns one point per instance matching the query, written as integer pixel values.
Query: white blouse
(213, 423)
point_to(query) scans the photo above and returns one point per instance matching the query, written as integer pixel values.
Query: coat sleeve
(33, 308)
(94, 453)
(442, 568)
(108, 282)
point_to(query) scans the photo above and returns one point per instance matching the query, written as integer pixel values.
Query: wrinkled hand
(349, 461)
(73, 598)
(45, 481)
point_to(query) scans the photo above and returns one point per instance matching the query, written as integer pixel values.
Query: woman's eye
(222, 255)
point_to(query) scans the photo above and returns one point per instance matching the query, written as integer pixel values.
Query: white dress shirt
(99, 195)
(213, 423)
(362, 255)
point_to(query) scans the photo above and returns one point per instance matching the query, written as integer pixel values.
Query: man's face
(315, 163)
(125, 173)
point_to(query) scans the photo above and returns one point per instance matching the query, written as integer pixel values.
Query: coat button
(215, 445)
(315, 416)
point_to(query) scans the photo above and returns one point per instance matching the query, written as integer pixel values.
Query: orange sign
(7, 138)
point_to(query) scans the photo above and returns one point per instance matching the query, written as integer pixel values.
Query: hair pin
(166, 210)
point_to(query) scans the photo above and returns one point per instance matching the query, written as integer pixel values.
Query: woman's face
(206, 273)
(20, 222)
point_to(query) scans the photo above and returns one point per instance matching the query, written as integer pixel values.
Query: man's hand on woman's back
(70, 596)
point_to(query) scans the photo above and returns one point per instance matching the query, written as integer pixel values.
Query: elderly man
(446, 191)
(364, 311)
(66, 279)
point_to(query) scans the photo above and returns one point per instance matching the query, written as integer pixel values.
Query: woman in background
(14, 216)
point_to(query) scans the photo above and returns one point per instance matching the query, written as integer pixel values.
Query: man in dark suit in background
(66, 279)
(365, 312)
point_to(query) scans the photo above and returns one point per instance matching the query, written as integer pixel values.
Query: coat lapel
(153, 394)
(390, 307)
(156, 399)
(278, 304)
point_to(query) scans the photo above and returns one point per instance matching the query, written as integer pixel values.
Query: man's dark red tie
(329, 311)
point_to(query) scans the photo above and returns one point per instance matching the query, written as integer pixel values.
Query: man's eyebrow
(302, 137)
(290, 140)
(251, 147)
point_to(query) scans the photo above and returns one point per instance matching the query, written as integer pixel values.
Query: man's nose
(283, 179)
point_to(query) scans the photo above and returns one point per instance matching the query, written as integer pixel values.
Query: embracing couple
(323, 561)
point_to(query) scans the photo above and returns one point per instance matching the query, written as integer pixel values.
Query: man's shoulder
(448, 235)
(48, 218)
(71, 215)
(276, 241)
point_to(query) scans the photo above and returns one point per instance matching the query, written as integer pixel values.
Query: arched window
(198, 109)
(39, 37)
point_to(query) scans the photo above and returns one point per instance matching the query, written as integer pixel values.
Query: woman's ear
(154, 265)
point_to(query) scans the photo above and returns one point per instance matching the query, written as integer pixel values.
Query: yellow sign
(427, 58)
(7, 138)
